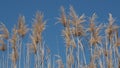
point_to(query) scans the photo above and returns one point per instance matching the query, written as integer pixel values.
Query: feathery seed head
(63, 18)
(22, 28)
(66, 34)
(39, 24)
(4, 30)
(75, 19)
(111, 19)
(78, 31)
(111, 28)
(13, 40)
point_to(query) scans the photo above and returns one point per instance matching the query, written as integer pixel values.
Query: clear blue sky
(11, 9)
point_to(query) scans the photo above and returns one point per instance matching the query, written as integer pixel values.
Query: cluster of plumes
(18, 34)
(36, 44)
(18, 31)
(94, 30)
(105, 48)
(21, 30)
(73, 28)
(38, 28)
(77, 29)
(14, 55)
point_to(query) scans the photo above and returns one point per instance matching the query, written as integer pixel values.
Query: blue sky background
(11, 9)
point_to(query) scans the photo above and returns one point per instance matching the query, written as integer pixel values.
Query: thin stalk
(83, 52)
(53, 61)
(42, 58)
(3, 62)
(7, 52)
(20, 53)
(28, 61)
(115, 58)
(106, 48)
(25, 54)
(114, 47)
(111, 51)
(78, 53)
(91, 48)
(100, 62)
(114, 54)
(35, 61)
(66, 57)
(103, 55)
(37, 57)
(49, 62)
(15, 66)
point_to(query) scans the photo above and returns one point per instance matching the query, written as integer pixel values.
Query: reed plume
(22, 28)
(110, 28)
(63, 18)
(5, 32)
(95, 38)
(13, 40)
